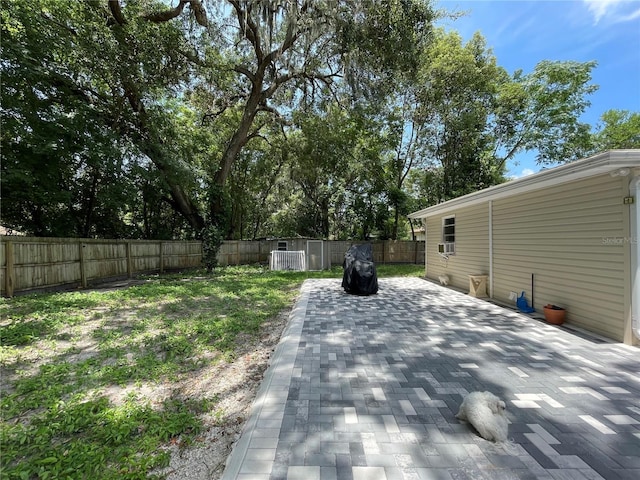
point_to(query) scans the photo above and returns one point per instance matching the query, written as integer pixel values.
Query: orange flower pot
(554, 315)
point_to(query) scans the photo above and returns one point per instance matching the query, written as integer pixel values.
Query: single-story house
(567, 236)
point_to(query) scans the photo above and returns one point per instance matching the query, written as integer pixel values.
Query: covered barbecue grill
(359, 277)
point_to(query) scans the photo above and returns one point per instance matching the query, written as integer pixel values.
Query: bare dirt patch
(235, 385)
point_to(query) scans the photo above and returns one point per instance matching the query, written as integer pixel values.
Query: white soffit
(602, 163)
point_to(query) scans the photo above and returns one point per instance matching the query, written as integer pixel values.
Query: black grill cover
(359, 277)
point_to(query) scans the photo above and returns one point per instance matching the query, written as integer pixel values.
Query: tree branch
(163, 16)
(512, 152)
(69, 29)
(199, 12)
(192, 57)
(326, 79)
(248, 28)
(222, 109)
(245, 71)
(166, 15)
(256, 134)
(116, 11)
(290, 39)
(288, 42)
(268, 109)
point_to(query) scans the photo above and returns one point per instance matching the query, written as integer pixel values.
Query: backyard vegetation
(100, 383)
(267, 118)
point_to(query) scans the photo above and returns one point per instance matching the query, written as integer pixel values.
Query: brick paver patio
(368, 388)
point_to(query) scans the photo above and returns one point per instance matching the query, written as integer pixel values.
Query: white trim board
(602, 163)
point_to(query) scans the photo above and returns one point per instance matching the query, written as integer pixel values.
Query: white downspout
(426, 248)
(490, 248)
(634, 190)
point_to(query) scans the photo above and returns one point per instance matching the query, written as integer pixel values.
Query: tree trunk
(324, 222)
(148, 143)
(396, 219)
(238, 140)
(182, 203)
(240, 136)
(90, 204)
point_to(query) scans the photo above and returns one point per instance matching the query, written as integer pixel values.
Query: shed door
(315, 258)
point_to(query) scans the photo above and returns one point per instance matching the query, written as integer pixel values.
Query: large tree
(82, 83)
(541, 111)
(243, 65)
(282, 54)
(457, 107)
(115, 112)
(477, 117)
(337, 166)
(259, 186)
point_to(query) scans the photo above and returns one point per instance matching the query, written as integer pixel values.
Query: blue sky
(523, 32)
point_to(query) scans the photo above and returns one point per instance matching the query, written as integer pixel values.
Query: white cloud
(631, 16)
(524, 173)
(599, 8)
(615, 11)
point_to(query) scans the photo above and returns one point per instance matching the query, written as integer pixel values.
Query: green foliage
(476, 118)
(314, 120)
(259, 186)
(59, 165)
(324, 153)
(407, 29)
(212, 238)
(455, 105)
(550, 101)
(618, 129)
(92, 438)
(71, 144)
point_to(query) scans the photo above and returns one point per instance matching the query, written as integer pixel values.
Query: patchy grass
(95, 383)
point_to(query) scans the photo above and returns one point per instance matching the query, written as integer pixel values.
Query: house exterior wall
(472, 246)
(575, 228)
(568, 237)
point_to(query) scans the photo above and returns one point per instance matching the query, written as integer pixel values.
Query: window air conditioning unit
(447, 248)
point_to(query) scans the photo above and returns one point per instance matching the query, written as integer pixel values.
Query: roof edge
(604, 162)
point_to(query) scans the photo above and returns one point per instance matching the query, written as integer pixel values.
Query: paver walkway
(368, 388)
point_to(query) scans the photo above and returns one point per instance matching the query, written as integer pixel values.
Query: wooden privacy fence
(29, 263)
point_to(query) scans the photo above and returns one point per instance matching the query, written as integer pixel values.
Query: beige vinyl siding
(559, 234)
(472, 246)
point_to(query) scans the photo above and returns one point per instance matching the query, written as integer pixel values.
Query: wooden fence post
(83, 273)
(129, 263)
(9, 273)
(161, 257)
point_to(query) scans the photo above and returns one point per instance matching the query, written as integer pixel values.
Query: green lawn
(63, 355)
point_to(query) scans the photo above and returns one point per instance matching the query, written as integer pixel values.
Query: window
(449, 230)
(448, 245)
(282, 246)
